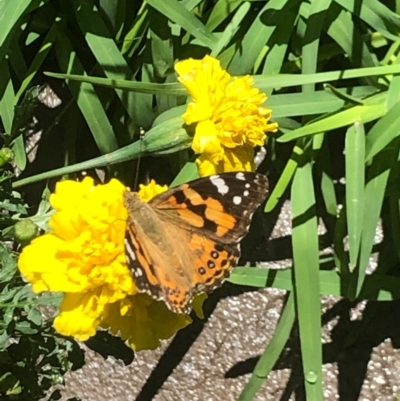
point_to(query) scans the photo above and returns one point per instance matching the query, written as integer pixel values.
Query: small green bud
(6, 155)
(25, 231)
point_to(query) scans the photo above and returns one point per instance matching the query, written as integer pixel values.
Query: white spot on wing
(247, 185)
(240, 176)
(138, 273)
(237, 200)
(129, 251)
(222, 188)
(246, 193)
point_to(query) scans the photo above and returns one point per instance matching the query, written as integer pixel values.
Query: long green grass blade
(108, 55)
(39, 59)
(188, 173)
(383, 132)
(284, 180)
(287, 80)
(259, 34)
(355, 181)
(272, 351)
(263, 82)
(166, 138)
(10, 14)
(231, 29)
(347, 35)
(6, 97)
(318, 102)
(324, 163)
(376, 14)
(377, 178)
(221, 11)
(377, 287)
(177, 13)
(395, 223)
(87, 99)
(363, 114)
(135, 35)
(306, 272)
(311, 39)
(278, 44)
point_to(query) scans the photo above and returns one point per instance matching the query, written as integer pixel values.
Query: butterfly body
(185, 240)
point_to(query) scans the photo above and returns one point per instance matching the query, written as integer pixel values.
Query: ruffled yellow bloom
(149, 191)
(84, 257)
(229, 116)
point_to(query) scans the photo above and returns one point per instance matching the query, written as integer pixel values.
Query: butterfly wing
(203, 221)
(141, 263)
(212, 262)
(150, 267)
(220, 206)
(215, 212)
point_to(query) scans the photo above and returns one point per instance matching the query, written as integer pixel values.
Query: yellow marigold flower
(84, 257)
(229, 116)
(149, 191)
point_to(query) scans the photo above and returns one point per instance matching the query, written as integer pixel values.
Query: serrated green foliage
(32, 357)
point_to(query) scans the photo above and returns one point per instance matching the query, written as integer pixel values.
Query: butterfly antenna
(136, 181)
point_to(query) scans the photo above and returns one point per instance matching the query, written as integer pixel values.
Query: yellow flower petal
(79, 315)
(206, 139)
(239, 159)
(206, 166)
(149, 191)
(84, 257)
(143, 322)
(39, 264)
(236, 159)
(228, 111)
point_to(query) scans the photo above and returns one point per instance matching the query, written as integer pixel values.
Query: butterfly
(185, 241)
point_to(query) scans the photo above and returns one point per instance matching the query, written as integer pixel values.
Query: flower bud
(25, 231)
(6, 155)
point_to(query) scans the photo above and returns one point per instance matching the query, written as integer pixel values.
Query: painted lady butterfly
(186, 240)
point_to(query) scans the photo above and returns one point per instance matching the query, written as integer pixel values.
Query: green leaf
(272, 352)
(9, 384)
(376, 14)
(39, 59)
(383, 132)
(108, 55)
(306, 269)
(284, 180)
(221, 10)
(188, 173)
(166, 138)
(25, 328)
(377, 177)
(264, 82)
(231, 29)
(4, 339)
(259, 33)
(377, 287)
(363, 114)
(8, 265)
(6, 97)
(8, 315)
(10, 14)
(35, 316)
(87, 99)
(177, 13)
(355, 181)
